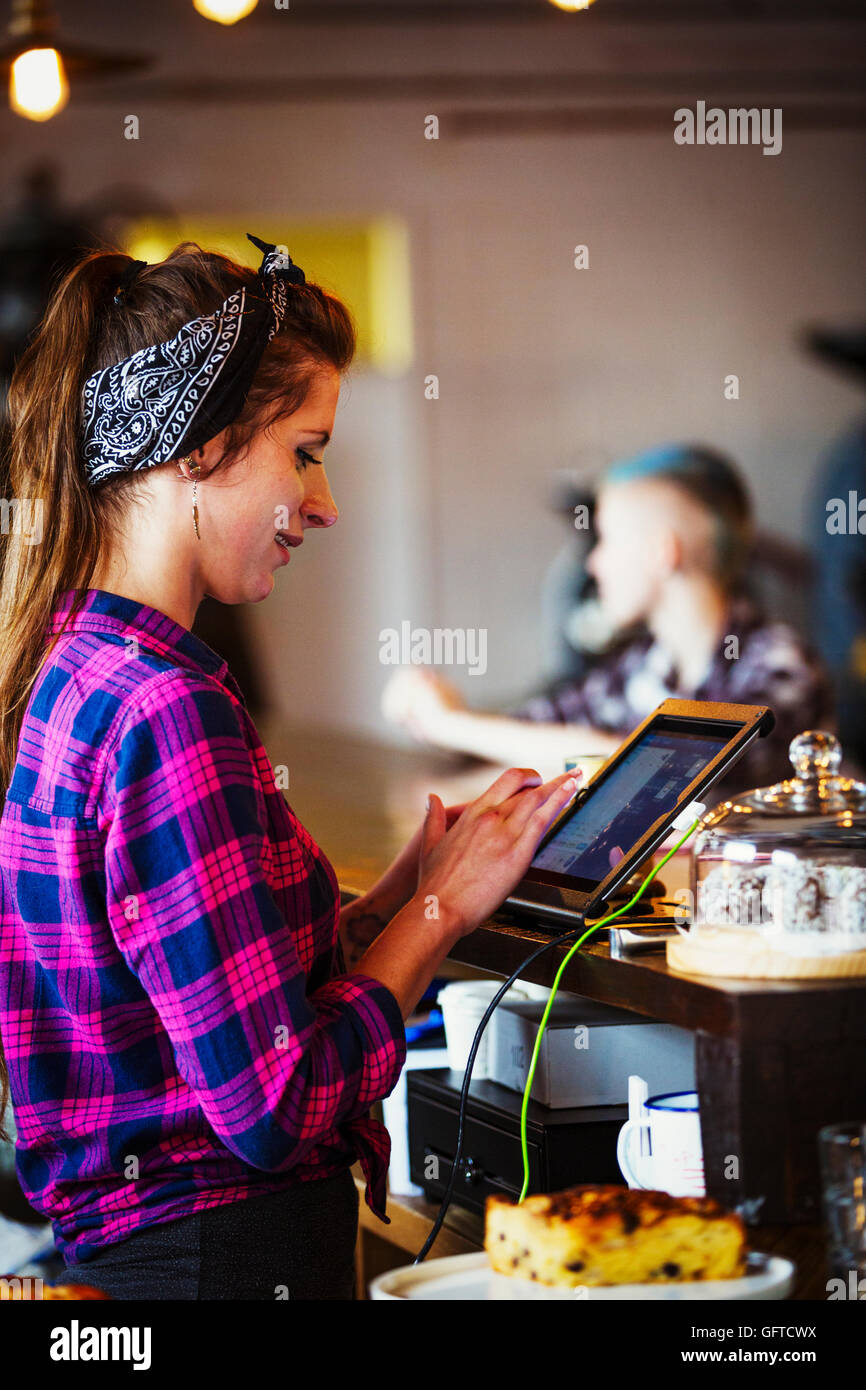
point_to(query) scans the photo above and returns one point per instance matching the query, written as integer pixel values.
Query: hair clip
(126, 279)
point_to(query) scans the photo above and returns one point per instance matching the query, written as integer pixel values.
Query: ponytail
(53, 542)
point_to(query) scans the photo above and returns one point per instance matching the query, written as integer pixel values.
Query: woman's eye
(304, 458)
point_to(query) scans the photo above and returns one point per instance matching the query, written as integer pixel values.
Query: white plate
(470, 1277)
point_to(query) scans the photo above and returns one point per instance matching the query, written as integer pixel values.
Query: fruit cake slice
(611, 1235)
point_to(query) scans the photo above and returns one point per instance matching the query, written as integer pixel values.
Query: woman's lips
(290, 541)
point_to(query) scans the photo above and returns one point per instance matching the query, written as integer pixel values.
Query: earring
(195, 469)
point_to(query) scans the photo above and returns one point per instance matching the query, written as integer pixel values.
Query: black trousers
(298, 1244)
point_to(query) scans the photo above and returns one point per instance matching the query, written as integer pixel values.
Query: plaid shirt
(766, 664)
(174, 1010)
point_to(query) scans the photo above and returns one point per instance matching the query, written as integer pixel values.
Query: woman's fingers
(433, 828)
(526, 803)
(542, 814)
(511, 781)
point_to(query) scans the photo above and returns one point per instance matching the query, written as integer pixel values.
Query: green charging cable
(566, 958)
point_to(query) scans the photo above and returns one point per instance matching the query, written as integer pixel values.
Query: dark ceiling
(619, 65)
(631, 12)
(141, 15)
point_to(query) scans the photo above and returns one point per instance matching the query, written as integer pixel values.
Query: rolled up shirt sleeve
(190, 904)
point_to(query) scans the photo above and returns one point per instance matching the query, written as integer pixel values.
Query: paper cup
(587, 763)
(463, 1004)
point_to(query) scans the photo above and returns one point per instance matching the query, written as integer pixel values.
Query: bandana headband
(168, 399)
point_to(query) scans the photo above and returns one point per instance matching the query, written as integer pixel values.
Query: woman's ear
(675, 552)
(208, 455)
(668, 553)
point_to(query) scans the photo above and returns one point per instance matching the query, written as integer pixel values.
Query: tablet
(626, 810)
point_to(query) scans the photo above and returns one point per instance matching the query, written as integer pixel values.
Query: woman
(673, 539)
(194, 1031)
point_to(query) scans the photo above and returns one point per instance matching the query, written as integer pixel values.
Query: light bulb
(572, 5)
(37, 84)
(225, 11)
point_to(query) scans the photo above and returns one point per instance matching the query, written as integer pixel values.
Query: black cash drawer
(565, 1146)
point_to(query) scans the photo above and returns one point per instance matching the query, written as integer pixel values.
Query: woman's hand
(362, 919)
(468, 870)
(400, 880)
(417, 699)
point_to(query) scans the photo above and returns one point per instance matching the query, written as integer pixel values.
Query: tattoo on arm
(358, 928)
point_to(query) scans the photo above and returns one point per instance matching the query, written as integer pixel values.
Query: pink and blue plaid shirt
(178, 1025)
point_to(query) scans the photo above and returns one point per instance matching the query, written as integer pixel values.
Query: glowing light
(740, 851)
(37, 84)
(225, 11)
(572, 6)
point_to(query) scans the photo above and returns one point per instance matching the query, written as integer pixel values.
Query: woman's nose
(320, 509)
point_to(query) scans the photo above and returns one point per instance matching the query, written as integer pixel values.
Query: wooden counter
(382, 1248)
(775, 1060)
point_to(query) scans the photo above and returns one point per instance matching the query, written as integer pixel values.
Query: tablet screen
(643, 786)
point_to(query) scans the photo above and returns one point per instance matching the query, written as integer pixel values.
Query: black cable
(464, 1094)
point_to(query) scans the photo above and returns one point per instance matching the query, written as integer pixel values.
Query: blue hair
(677, 462)
(710, 479)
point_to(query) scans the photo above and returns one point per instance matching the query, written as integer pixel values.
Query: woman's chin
(252, 590)
(622, 615)
(249, 586)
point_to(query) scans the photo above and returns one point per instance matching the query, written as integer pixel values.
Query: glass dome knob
(815, 754)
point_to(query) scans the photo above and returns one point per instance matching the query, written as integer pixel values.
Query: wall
(703, 261)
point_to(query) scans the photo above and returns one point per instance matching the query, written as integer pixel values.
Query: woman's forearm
(519, 741)
(407, 953)
(361, 921)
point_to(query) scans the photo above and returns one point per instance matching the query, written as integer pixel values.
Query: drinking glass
(842, 1153)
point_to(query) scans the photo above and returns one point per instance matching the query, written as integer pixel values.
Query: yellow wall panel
(365, 264)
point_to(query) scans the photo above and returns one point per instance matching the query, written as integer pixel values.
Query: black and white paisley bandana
(164, 401)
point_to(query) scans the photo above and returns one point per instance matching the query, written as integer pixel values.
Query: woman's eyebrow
(321, 435)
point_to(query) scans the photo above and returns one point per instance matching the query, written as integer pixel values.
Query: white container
(588, 1052)
(395, 1116)
(780, 874)
(463, 1004)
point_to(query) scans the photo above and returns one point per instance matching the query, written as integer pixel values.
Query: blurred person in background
(674, 531)
(838, 533)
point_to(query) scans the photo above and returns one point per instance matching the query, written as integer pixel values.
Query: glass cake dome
(788, 862)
